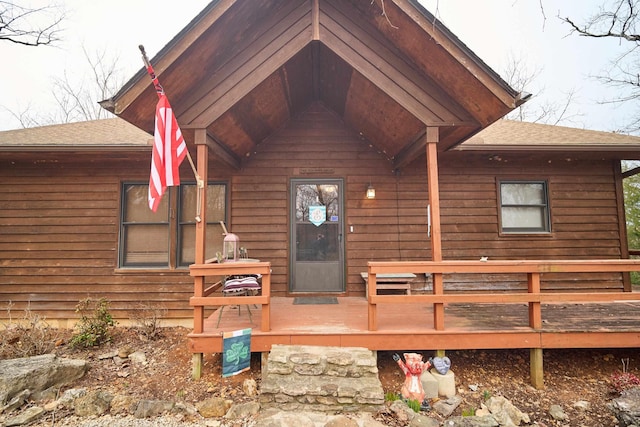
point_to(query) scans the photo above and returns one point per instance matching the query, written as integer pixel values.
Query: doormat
(314, 300)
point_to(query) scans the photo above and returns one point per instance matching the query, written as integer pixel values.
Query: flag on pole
(169, 150)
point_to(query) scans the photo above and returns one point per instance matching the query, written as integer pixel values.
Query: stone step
(314, 378)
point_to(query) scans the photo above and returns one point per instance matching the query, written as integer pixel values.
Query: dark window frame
(173, 223)
(545, 207)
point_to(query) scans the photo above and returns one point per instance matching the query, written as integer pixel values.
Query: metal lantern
(230, 247)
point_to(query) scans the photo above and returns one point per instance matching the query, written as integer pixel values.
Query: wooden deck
(437, 321)
(410, 326)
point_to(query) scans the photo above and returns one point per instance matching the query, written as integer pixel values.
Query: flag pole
(160, 91)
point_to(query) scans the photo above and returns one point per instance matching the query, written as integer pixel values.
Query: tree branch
(30, 27)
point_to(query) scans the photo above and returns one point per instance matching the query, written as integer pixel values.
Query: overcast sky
(496, 30)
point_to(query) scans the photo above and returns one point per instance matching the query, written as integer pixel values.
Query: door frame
(341, 230)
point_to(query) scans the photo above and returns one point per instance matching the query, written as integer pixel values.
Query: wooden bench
(391, 281)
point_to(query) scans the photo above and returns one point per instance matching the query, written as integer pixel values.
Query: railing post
(372, 291)
(535, 312)
(265, 325)
(438, 308)
(198, 311)
(536, 366)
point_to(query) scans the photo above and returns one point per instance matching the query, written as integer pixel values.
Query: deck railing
(203, 298)
(534, 296)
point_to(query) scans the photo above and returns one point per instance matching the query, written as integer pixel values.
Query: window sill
(151, 270)
(541, 234)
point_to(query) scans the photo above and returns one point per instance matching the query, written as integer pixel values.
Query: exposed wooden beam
(462, 54)
(171, 53)
(315, 18)
(410, 151)
(221, 152)
(241, 76)
(388, 71)
(631, 172)
(315, 69)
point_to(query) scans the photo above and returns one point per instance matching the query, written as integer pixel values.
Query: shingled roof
(511, 135)
(105, 133)
(503, 135)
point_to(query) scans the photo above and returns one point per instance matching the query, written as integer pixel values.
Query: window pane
(188, 239)
(216, 202)
(216, 212)
(146, 245)
(524, 207)
(523, 218)
(137, 205)
(316, 195)
(144, 237)
(522, 194)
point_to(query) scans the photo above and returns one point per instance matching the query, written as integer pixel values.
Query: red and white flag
(169, 150)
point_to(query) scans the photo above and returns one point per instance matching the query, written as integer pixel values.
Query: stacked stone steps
(312, 378)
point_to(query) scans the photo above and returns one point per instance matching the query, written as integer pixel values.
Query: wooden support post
(535, 322)
(201, 239)
(432, 137)
(201, 220)
(537, 371)
(196, 365)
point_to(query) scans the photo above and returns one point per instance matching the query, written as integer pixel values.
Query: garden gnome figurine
(413, 367)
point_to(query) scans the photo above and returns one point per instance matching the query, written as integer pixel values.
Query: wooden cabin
(292, 110)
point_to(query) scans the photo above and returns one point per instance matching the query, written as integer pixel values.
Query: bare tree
(30, 26)
(25, 116)
(618, 20)
(77, 100)
(522, 78)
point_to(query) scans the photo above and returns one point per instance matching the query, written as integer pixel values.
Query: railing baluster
(535, 309)
(438, 307)
(372, 290)
(198, 312)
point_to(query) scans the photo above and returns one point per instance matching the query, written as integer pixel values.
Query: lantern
(230, 247)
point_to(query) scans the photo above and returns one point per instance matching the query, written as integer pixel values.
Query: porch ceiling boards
(243, 69)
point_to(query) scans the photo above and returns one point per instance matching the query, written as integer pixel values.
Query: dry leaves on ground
(570, 375)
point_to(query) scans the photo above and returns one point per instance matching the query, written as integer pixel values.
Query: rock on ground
(37, 373)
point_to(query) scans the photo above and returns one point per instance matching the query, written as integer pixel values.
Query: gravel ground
(571, 376)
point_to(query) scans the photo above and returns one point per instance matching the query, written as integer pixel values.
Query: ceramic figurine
(413, 367)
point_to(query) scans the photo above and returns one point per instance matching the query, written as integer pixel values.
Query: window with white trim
(166, 238)
(524, 207)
